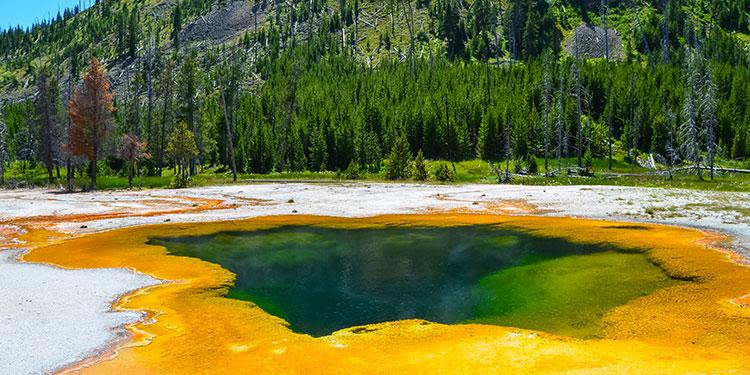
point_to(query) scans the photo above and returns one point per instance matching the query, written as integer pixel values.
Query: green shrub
(178, 182)
(443, 173)
(352, 172)
(531, 165)
(588, 159)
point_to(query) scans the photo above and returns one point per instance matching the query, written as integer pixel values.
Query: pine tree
(176, 26)
(487, 144)
(133, 32)
(187, 84)
(91, 114)
(47, 121)
(398, 165)
(182, 146)
(531, 34)
(420, 167)
(318, 149)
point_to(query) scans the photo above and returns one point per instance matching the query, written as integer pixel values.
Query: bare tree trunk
(165, 118)
(309, 30)
(150, 100)
(578, 103)
(489, 87)
(93, 172)
(508, 138)
(130, 174)
(643, 35)
(2, 172)
(632, 112)
(561, 115)
(127, 101)
(230, 143)
(665, 37)
(547, 90)
(605, 3)
(409, 18)
(68, 159)
(546, 141)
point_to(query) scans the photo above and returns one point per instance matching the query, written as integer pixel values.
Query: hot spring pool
(322, 279)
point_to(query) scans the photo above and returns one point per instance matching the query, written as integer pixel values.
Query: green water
(323, 279)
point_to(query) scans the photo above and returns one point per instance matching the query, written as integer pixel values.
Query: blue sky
(25, 12)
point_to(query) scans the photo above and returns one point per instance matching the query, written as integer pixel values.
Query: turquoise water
(324, 279)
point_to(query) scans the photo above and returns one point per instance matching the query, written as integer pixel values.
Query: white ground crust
(51, 317)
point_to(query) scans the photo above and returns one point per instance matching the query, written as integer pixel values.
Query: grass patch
(25, 175)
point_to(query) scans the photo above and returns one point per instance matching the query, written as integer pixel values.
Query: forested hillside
(357, 85)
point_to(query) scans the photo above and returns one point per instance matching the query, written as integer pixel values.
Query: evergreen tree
(182, 146)
(133, 32)
(398, 165)
(187, 86)
(48, 130)
(420, 167)
(176, 26)
(531, 34)
(318, 149)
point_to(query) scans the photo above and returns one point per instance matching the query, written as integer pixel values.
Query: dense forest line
(491, 80)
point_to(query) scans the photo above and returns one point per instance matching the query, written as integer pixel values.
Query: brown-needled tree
(90, 111)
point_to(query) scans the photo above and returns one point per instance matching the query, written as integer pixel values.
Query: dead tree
(150, 56)
(547, 104)
(561, 115)
(495, 16)
(69, 156)
(166, 83)
(127, 100)
(673, 155)
(605, 22)
(665, 35)
(643, 35)
(3, 150)
(409, 18)
(633, 120)
(708, 114)
(578, 102)
(230, 78)
(508, 139)
(689, 131)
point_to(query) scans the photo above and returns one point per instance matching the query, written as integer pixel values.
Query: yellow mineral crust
(689, 328)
